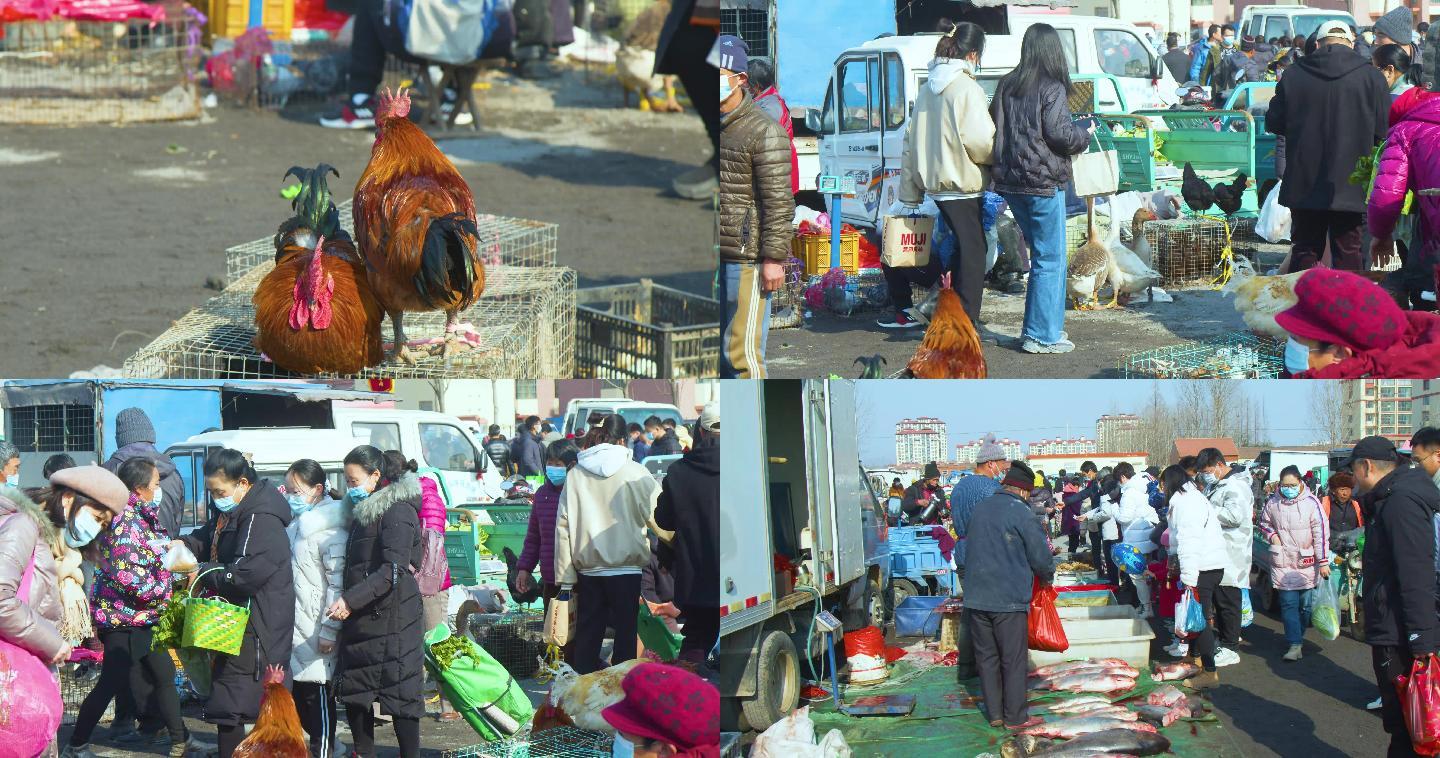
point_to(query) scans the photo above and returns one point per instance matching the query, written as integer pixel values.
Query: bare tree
(1327, 409)
(439, 386)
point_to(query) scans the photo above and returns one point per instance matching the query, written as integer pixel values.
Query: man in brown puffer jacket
(756, 212)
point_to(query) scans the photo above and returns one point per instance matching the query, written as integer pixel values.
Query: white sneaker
(1226, 657)
(1373, 705)
(1178, 650)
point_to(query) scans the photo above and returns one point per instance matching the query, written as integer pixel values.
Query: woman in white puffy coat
(318, 535)
(1199, 544)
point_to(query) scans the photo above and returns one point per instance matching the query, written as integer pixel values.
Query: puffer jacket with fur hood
(756, 206)
(605, 507)
(31, 623)
(317, 540)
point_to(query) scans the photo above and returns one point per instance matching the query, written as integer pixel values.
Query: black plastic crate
(645, 330)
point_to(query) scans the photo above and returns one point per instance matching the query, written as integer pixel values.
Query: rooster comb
(394, 103)
(274, 674)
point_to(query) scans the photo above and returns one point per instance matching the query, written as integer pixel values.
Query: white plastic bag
(794, 737)
(1273, 225)
(178, 559)
(925, 208)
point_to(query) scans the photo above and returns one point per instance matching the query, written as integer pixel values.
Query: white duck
(1132, 272)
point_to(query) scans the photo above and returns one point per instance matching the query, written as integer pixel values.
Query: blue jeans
(744, 322)
(1042, 221)
(1295, 607)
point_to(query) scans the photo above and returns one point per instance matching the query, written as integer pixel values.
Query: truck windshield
(1307, 24)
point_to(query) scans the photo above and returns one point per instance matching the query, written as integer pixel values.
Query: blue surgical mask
(157, 497)
(1297, 356)
(1289, 493)
(725, 88)
(357, 494)
(86, 530)
(1228, 41)
(1208, 479)
(622, 748)
(225, 504)
(299, 503)
(556, 475)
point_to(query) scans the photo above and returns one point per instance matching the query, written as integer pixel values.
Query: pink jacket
(432, 514)
(1304, 540)
(1408, 163)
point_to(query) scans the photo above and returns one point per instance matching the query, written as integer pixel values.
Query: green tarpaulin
(947, 719)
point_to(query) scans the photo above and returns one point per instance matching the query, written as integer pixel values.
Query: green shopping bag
(656, 635)
(476, 684)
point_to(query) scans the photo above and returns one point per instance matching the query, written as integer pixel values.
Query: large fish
(1170, 672)
(1084, 724)
(1167, 696)
(1068, 665)
(1090, 708)
(1076, 704)
(1118, 669)
(1093, 683)
(1114, 741)
(1164, 715)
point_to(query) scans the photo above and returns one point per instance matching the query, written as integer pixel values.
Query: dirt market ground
(111, 233)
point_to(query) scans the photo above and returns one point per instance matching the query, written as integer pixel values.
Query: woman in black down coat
(381, 657)
(245, 540)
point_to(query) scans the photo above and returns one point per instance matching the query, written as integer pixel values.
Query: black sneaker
(900, 321)
(351, 115)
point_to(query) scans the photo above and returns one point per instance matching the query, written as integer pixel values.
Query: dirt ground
(829, 343)
(113, 232)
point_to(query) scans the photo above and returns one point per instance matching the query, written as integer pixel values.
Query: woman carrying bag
(318, 533)
(1035, 138)
(244, 554)
(381, 639)
(1292, 523)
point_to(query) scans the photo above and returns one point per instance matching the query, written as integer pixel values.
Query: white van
(1270, 21)
(442, 444)
(577, 412)
(876, 82)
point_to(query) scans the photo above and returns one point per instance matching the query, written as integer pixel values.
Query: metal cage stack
(64, 72)
(1237, 355)
(640, 330)
(559, 742)
(1187, 249)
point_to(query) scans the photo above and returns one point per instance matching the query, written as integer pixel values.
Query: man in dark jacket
(756, 210)
(498, 449)
(689, 505)
(1332, 108)
(1176, 58)
(662, 440)
(135, 436)
(1006, 552)
(526, 451)
(921, 494)
(1399, 558)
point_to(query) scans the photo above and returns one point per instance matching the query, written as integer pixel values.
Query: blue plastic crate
(916, 616)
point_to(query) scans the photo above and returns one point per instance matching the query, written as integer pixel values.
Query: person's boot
(1293, 654)
(1204, 680)
(83, 751)
(699, 183)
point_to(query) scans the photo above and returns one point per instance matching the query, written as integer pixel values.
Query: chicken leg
(400, 351)
(454, 344)
(671, 104)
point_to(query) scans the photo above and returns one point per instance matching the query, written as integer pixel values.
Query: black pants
(1096, 551)
(605, 601)
(362, 729)
(228, 738)
(1000, 641)
(315, 704)
(1310, 230)
(967, 267)
(1390, 662)
(1112, 572)
(122, 675)
(898, 280)
(371, 43)
(1073, 541)
(685, 58)
(1205, 588)
(1227, 615)
(532, 24)
(702, 629)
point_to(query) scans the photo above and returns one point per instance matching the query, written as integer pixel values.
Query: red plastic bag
(1420, 701)
(1046, 633)
(868, 641)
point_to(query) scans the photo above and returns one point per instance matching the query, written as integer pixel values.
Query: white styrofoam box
(1125, 638)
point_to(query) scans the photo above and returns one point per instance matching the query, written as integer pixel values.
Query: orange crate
(230, 18)
(814, 250)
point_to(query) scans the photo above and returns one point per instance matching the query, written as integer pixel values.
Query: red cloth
(942, 535)
(1416, 355)
(789, 125)
(671, 705)
(1343, 308)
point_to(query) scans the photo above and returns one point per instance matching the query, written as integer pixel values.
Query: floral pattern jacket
(131, 586)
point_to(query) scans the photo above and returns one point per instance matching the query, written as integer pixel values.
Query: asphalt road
(111, 233)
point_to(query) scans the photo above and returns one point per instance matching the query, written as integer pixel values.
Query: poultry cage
(646, 330)
(1237, 355)
(516, 640)
(525, 321)
(557, 742)
(504, 239)
(68, 71)
(787, 305)
(1187, 250)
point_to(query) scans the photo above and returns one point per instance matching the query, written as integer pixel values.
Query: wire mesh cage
(787, 305)
(504, 240)
(1236, 355)
(76, 681)
(1077, 230)
(525, 322)
(645, 330)
(516, 640)
(557, 742)
(750, 21)
(66, 72)
(1187, 250)
(302, 73)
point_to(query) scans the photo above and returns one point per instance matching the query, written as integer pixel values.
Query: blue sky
(1031, 409)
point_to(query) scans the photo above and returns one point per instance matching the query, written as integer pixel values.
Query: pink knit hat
(1343, 308)
(95, 483)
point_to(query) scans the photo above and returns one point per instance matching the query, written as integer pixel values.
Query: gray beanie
(1398, 25)
(131, 426)
(990, 450)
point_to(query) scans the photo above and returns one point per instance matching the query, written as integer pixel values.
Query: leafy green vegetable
(446, 650)
(1364, 171)
(171, 626)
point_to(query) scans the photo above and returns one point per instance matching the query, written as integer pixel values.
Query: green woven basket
(213, 624)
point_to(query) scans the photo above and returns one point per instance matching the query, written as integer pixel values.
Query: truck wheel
(901, 589)
(777, 692)
(876, 606)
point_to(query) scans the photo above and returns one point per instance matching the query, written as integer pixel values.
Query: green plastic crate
(462, 546)
(511, 521)
(1136, 153)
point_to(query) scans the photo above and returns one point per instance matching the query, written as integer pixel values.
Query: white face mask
(725, 88)
(622, 748)
(1297, 356)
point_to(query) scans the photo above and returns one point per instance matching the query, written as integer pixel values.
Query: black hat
(932, 471)
(1373, 448)
(1019, 476)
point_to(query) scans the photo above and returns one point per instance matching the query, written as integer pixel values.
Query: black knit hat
(1019, 476)
(932, 471)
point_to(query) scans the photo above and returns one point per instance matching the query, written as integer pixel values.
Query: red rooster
(415, 226)
(314, 312)
(951, 346)
(277, 732)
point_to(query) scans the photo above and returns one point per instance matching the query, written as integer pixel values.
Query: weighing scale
(869, 705)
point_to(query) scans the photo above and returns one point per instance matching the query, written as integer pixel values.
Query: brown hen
(277, 732)
(951, 346)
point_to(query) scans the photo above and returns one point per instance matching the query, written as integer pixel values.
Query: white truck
(793, 489)
(1288, 21)
(1277, 460)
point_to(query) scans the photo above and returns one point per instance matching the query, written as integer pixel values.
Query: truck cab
(873, 86)
(441, 444)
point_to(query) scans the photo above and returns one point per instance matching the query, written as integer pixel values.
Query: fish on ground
(1168, 695)
(1084, 724)
(1115, 741)
(1172, 672)
(1093, 683)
